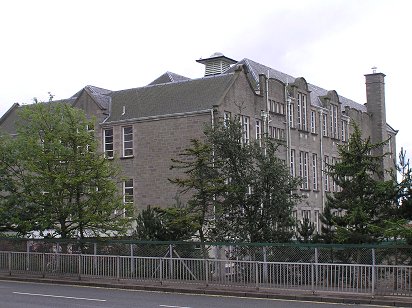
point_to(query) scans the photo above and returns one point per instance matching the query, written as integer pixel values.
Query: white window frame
(291, 115)
(128, 191)
(316, 220)
(326, 175)
(298, 112)
(226, 118)
(315, 171)
(292, 163)
(325, 125)
(344, 136)
(301, 110)
(127, 141)
(306, 214)
(304, 169)
(334, 121)
(108, 146)
(128, 194)
(259, 131)
(245, 121)
(313, 121)
(334, 186)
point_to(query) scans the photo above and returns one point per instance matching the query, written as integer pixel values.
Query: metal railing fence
(381, 254)
(315, 277)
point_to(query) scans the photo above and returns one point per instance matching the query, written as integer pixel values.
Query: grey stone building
(143, 128)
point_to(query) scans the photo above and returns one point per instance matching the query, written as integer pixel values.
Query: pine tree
(305, 230)
(365, 198)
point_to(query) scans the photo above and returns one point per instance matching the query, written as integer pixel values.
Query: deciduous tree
(58, 177)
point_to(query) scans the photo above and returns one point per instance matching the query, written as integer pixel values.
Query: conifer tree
(365, 198)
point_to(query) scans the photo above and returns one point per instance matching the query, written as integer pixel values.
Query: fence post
(118, 268)
(161, 271)
(312, 274)
(9, 254)
(257, 274)
(132, 261)
(27, 255)
(170, 261)
(207, 272)
(316, 267)
(43, 265)
(373, 272)
(95, 257)
(80, 266)
(265, 265)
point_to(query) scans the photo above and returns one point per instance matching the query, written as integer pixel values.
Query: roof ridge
(173, 83)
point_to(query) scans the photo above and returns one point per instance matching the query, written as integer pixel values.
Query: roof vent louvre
(216, 64)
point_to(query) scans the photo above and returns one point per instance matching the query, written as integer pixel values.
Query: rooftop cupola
(216, 64)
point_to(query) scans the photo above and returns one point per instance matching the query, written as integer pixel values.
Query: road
(24, 294)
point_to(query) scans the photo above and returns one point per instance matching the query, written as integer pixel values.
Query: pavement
(178, 287)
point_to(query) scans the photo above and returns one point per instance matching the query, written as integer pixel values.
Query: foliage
(404, 193)
(327, 234)
(365, 198)
(306, 228)
(245, 186)
(202, 180)
(165, 224)
(56, 179)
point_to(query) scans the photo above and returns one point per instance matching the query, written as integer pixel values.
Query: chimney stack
(375, 99)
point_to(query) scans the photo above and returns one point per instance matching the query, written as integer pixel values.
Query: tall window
(306, 215)
(226, 117)
(108, 142)
(304, 169)
(301, 111)
(344, 130)
(128, 195)
(316, 221)
(315, 171)
(325, 125)
(292, 163)
(128, 141)
(258, 131)
(313, 121)
(272, 105)
(245, 129)
(291, 124)
(334, 186)
(325, 172)
(334, 121)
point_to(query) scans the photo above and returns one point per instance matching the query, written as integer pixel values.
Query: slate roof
(168, 77)
(257, 69)
(170, 98)
(100, 96)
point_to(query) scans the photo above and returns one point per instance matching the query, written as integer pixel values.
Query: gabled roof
(168, 77)
(170, 98)
(100, 96)
(255, 69)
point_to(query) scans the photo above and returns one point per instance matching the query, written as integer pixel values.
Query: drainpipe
(322, 190)
(289, 137)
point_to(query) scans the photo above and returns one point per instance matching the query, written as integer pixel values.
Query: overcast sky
(62, 46)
